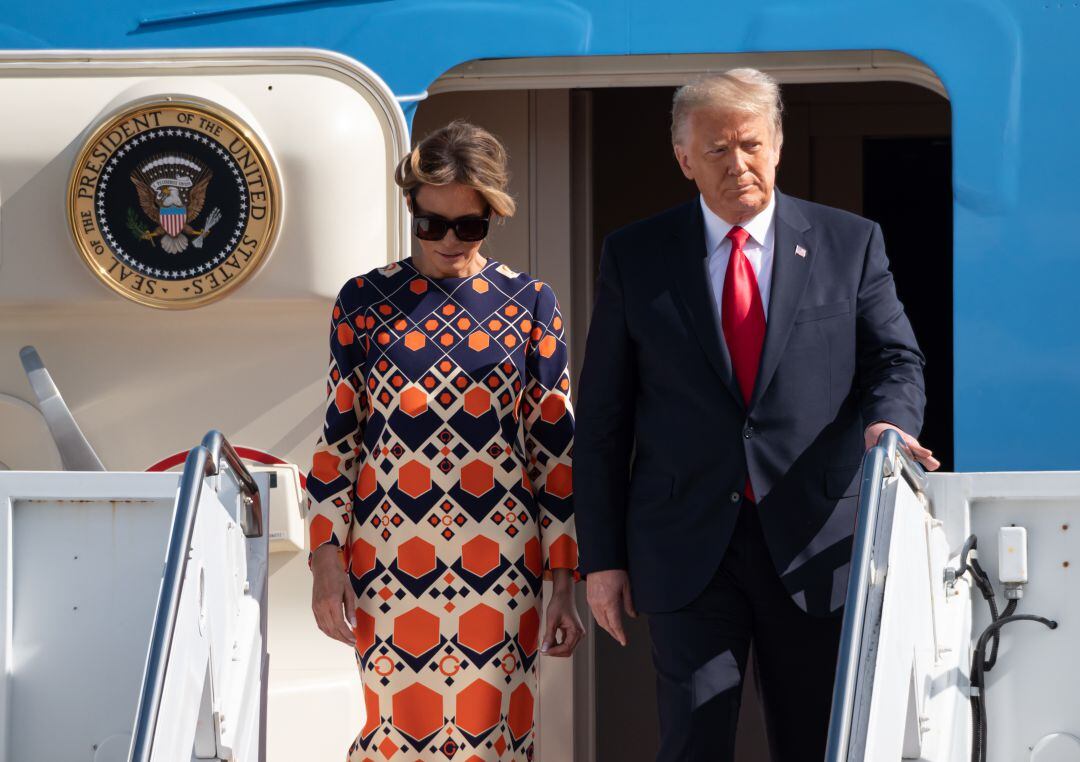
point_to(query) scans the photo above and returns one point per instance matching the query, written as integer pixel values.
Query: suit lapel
(690, 273)
(791, 272)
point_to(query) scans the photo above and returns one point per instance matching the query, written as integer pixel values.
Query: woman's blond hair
(464, 153)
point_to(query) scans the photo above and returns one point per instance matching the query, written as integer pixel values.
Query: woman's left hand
(562, 618)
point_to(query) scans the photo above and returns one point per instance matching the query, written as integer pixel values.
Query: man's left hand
(916, 450)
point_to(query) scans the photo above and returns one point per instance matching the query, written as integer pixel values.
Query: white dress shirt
(758, 249)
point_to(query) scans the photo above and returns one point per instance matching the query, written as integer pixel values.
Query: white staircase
(134, 608)
(904, 679)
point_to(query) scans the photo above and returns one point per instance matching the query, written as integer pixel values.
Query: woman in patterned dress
(440, 491)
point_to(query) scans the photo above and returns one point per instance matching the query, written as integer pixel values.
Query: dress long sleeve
(549, 432)
(331, 483)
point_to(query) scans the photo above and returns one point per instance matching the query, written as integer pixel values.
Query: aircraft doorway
(588, 157)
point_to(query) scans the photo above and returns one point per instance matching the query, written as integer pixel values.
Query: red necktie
(743, 319)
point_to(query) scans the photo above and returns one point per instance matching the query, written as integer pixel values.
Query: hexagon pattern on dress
(443, 476)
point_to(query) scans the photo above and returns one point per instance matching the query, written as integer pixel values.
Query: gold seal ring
(174, 202)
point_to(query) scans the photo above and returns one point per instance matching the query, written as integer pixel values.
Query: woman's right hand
(332, 597)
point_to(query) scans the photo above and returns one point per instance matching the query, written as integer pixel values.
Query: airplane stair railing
(916, 676)
(203, 693)
(865, 595)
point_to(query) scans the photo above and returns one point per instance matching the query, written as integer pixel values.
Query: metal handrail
(203, 461)
(220, 449)
(896, 454)
(881, 461)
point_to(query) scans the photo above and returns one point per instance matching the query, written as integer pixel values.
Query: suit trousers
(700, 653)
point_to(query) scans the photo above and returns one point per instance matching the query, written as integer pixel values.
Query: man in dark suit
(745, 349)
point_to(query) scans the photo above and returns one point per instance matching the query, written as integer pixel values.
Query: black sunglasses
(431, 227)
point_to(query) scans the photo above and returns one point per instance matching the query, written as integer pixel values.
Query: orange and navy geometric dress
(444, 475)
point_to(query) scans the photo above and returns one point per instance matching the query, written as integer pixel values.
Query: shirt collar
(759, 227)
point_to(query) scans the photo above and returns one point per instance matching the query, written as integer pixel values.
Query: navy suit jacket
(664, 441)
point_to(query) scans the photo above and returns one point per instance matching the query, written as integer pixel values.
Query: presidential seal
(173, 203)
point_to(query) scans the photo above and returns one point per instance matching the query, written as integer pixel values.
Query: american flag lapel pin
(800, 251)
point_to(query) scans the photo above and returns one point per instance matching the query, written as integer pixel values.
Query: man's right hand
(608, 593)
(332, 597)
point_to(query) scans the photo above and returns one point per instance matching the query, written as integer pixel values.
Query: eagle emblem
(173, 202)
(172, 193)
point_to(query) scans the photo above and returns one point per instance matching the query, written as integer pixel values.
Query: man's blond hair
(743, 90)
